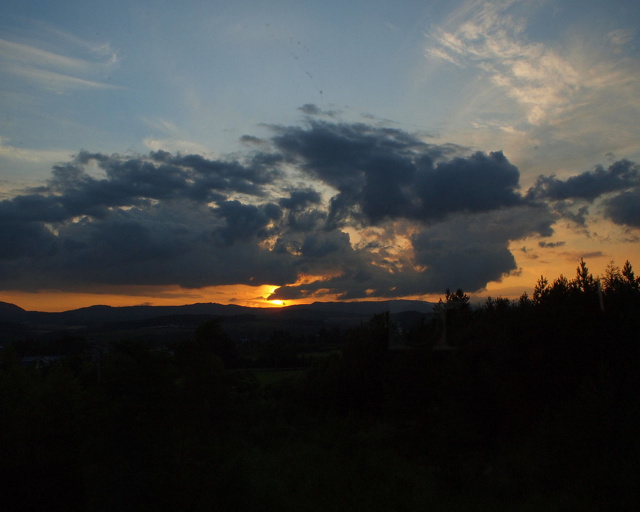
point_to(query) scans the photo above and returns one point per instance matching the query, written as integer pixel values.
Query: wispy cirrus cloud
(31, 155)
(176, 145)
(555, 102)
(485, 36)
(57, 81)
(80, 65)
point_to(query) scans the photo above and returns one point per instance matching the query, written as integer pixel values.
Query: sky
(284, 152)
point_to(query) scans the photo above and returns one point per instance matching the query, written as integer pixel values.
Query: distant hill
(108, 318)
(11, 313)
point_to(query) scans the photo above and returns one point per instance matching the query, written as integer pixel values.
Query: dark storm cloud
(32, 207)
(479, 183)
(618, 186)
(384, 173)
(624, 208)
(25, 239)
(470, 251)
(142, 220)
(160, 245)
(299, 199)
(588, 185)
(244, 221)
(164, 219)
(465, 251)
(133, 181)
(303, 206)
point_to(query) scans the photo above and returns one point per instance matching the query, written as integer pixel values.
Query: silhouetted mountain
(100, 316)
(97, 315)
(11, 313)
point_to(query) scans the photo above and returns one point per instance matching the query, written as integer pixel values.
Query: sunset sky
(269, 152)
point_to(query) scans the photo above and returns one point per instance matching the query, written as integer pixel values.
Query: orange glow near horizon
(532, 258)
(56, 301)
(53, 301)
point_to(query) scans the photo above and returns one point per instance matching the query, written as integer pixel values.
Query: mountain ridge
(101, 314)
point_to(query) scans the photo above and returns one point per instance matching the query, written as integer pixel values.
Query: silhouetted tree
(453, 315)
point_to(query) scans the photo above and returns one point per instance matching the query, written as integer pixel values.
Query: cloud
(58, 81)
(617, 188)
(59, 71)
(371, 212)
(384, 173)
(164, 244)
(299, 199)
(624, 208)
(589, 185)
(470, 251)
(244, 221)
(621, 36)
(310, 109)
(147, 220)
(251, 140)
(544, 244)
(176, 146)
(466, 251)
(31, 155)
(570, 90)
(31, 55)
(487, 36)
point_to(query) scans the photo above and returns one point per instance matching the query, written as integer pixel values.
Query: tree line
(528, 404)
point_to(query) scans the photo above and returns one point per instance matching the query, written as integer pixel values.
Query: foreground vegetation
(514, 405)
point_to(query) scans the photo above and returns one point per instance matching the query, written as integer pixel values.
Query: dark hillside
(513, 405)
(11, 312)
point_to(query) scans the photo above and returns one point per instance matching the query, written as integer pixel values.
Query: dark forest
(528, 404)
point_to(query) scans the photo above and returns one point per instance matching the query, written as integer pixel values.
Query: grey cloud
(588, 185)
(544, 244)
(250, 139)
(160, 176)
(303, 209)
(321, 245)
(299, 199)
(145, 220)
(319, 252)
(340, 154)
(384, 173)
(576, 212)
(32, 207)
(470, 251)
(310, 109)
(618, 186)
(244, 221)
(151, 246)
(479, 183)
(24, 240)
(624, 208)
(465, 251)
(187, 220)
